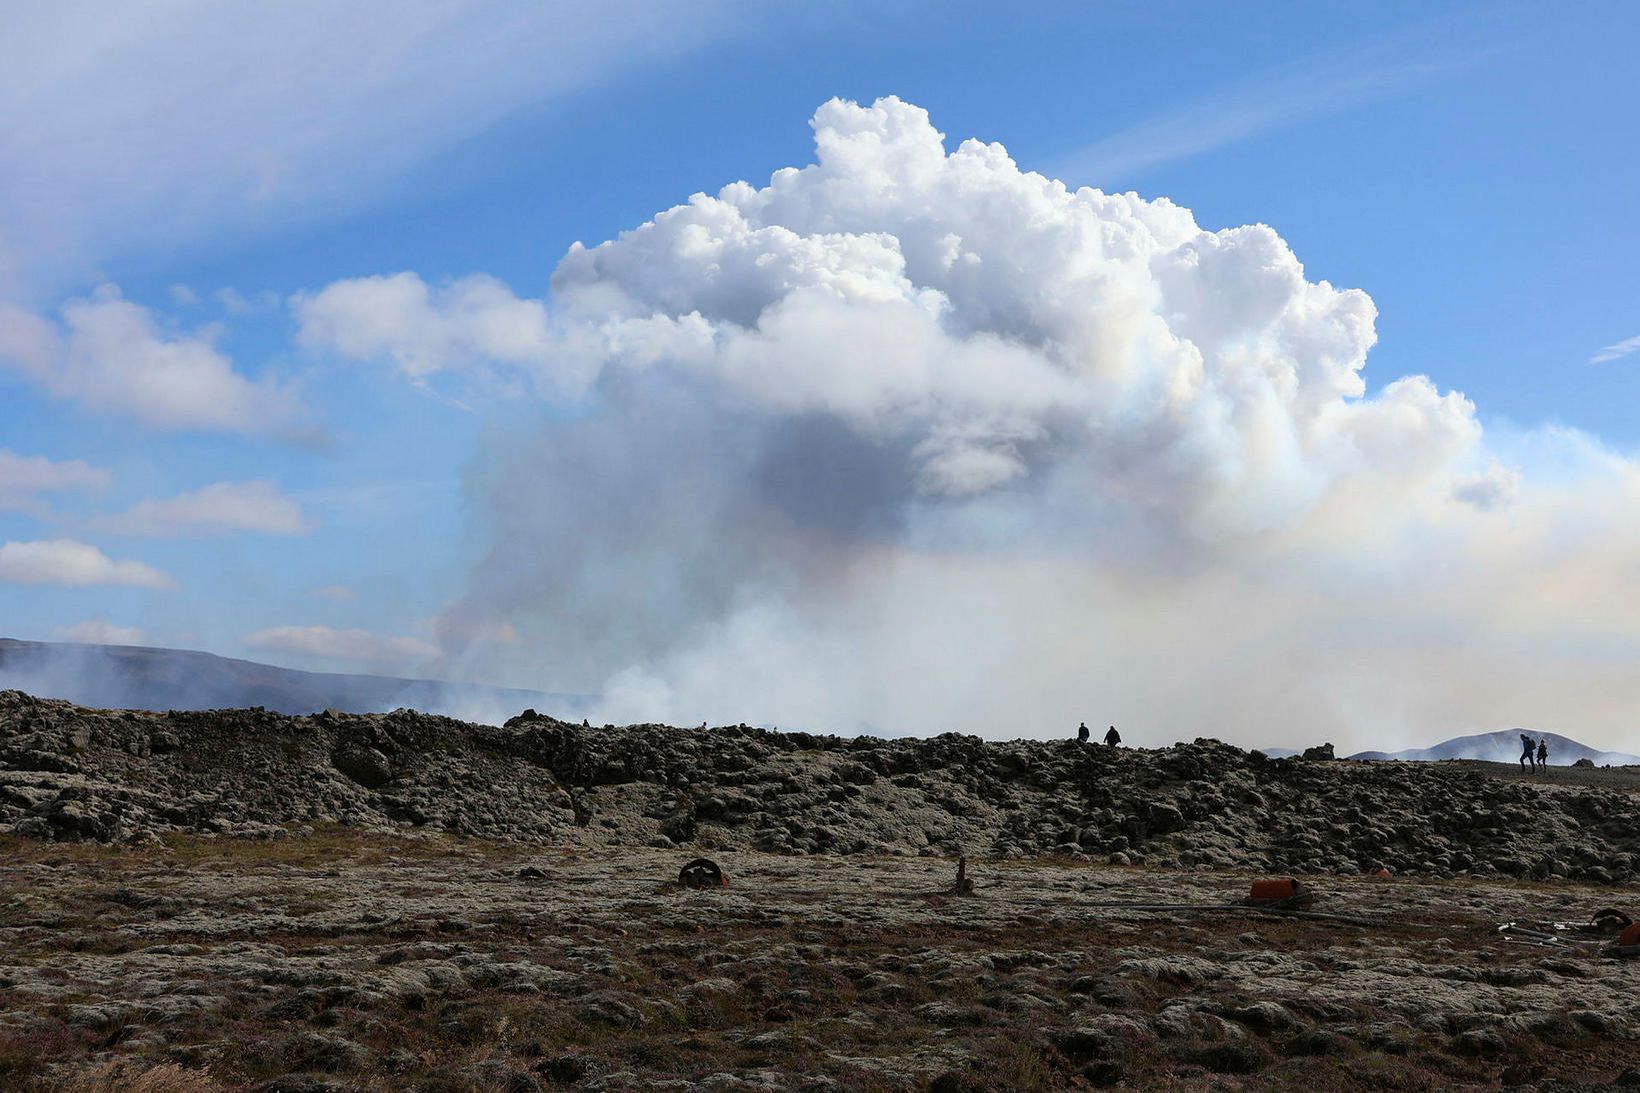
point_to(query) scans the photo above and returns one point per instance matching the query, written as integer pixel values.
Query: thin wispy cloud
(1274, 100)
(156, 123)
(217, 509)
(1616, 349)
(24, 478)
(354, 646)
(102, 632)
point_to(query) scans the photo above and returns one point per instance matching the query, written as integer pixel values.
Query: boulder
(1164, 818)
(366, 766)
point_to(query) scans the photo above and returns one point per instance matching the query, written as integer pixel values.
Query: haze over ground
(905, 433)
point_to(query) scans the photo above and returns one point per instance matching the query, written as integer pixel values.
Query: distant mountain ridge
(1503, 746)
(142, 678)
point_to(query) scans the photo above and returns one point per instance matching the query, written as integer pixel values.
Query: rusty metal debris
(1287, 893)
(1614, 931)
(1611, 921)
(1627, 944)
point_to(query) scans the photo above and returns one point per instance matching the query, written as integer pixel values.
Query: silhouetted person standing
(1526, 753)
(1543, 755)
(1082, 733)
(1112, 738)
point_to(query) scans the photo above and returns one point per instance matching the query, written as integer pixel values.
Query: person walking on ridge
(1526, 753)
(1543, 755)
(1082, 733)
(1112, 738)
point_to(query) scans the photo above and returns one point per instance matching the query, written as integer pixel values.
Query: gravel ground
(235, 899)
(1620, 779)
(347, 960)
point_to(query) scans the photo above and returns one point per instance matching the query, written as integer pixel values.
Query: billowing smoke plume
(912, 440)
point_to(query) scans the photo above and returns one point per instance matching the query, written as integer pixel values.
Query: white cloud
(236, 303)
(910, 439)
(256, 506)
(1616, 350)
(991, 323)
(422, 330)
(23, 478)
(158, 122)
(110, 357)
(72, 564)
(102, 632)
(341, 593)
(359, 647)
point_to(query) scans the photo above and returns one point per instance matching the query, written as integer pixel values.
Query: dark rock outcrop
(72, 773)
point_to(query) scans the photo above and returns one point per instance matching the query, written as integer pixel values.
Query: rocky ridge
(70, 773)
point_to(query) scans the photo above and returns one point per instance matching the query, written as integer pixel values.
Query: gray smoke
(913, 440)
(142, 677)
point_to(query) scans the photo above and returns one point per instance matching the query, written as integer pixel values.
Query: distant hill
(139, 678)
(1504, 747)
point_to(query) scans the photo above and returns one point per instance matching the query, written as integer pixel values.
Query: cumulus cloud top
(990, 323)
(72, 564)
(257, 506)
(998, 320)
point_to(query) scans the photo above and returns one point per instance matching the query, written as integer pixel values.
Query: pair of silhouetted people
(1534, 755)
(1112, 737)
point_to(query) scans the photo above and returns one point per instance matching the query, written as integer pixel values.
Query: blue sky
(1469, 166)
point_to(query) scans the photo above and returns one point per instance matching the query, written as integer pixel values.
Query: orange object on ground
(1286, 888)
(1285, 892)
(1630, 934)
(1381, 873)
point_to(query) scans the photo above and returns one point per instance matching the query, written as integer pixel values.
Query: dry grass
(289, 939)
(133, 1076)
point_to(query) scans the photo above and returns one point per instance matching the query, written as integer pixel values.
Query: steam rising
(911, 440)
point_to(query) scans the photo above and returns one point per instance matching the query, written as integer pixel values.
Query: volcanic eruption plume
(911, 439)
